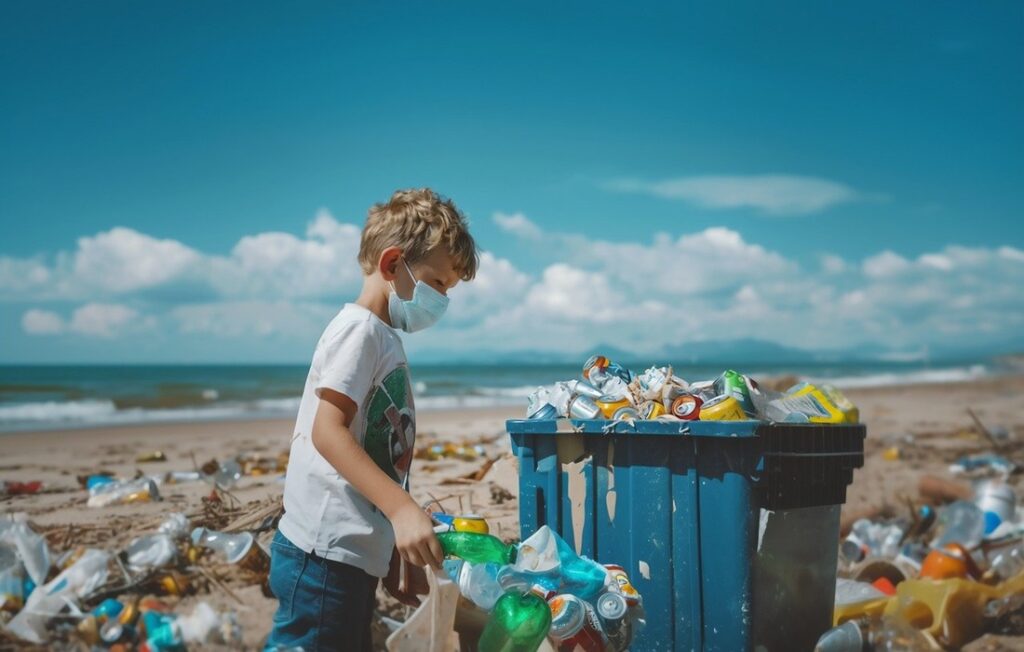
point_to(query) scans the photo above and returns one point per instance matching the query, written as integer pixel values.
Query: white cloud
(498, 285)
(832, 264)
(123, 260)
(642, 296)
(101, 319)
(1011, 253)
(41, 322)
(518, 224)
(936, 261)
(714, 259)
(884, 264)
(771, 194)
(567, 293)
(22, 276)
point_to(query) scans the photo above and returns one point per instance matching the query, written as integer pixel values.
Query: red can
(686, 407)
(575, 626)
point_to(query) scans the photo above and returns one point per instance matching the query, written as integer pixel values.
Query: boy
(348, 517)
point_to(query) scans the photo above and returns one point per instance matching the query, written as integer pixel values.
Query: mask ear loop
(394, 288)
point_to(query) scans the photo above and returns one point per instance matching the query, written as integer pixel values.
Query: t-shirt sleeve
(349, 362)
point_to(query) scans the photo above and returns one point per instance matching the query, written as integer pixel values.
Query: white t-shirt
(361, 357)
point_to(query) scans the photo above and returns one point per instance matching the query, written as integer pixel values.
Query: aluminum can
(734, 384)
(575, 625)
(686, 407)
(722, 408)
(583, 388)
(546, 411)
(612, 610)
(619, 581)
(583, 407)
(609, 405)
(651, 410)
(628, 413)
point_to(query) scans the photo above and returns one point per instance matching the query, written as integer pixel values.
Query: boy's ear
(387, 265)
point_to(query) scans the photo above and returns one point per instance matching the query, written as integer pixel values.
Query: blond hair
(418, 221)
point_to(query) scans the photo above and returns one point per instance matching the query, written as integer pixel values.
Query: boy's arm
(414, 532)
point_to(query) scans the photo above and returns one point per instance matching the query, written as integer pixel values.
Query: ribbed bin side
(728, 529)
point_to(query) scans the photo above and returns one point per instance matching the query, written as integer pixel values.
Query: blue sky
(818, 175)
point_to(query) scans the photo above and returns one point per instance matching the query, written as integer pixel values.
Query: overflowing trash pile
(608, 390)
(539, 589)
(937, 577)
(57, 588)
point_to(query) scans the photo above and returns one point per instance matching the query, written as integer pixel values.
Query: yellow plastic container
(868, 609)
(950, 610)
(840, 409)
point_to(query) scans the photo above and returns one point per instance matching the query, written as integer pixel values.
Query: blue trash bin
(729, 529)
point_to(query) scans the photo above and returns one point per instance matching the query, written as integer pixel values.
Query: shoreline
(518, 409)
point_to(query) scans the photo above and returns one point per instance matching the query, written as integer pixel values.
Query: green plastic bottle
(518, 623)
(477, 548)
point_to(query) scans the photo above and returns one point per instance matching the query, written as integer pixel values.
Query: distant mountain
(729, 352)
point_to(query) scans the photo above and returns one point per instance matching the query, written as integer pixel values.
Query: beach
(913, 430)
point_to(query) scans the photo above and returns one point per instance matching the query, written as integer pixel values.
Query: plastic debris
(585, 605)
(14, 488)
(29, 547)
(112, 492)
(971, 464)
(81, 578)
(468, 452)
(150, 552)
(607, 390)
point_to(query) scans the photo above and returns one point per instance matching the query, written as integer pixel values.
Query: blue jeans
(322, 604)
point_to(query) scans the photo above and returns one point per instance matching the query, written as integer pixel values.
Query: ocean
(42, 397)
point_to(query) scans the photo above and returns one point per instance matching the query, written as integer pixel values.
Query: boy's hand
(415, 538)
(405, 581)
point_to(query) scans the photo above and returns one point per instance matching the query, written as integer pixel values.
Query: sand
(928, 424)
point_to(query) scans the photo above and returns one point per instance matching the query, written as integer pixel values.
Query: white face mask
(426, 306)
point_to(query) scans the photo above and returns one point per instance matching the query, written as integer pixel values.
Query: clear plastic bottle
(12, 580)
(151, 551)
(126, 491)
(1008, 561)
(960, 522)
(864, 635)
(233, 547)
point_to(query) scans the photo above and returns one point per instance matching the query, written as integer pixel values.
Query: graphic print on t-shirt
(390, 426)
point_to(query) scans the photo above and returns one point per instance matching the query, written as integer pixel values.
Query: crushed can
(722, 408)
(575, 625)
(583, 388)
(651, 410)
(609, 405)
(628, 413)
(612, 609)
(545, 411)
(583, 407)
(734, 384)
(686, 407)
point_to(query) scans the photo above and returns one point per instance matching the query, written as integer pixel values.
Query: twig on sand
(985, 431)
(216, 581)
